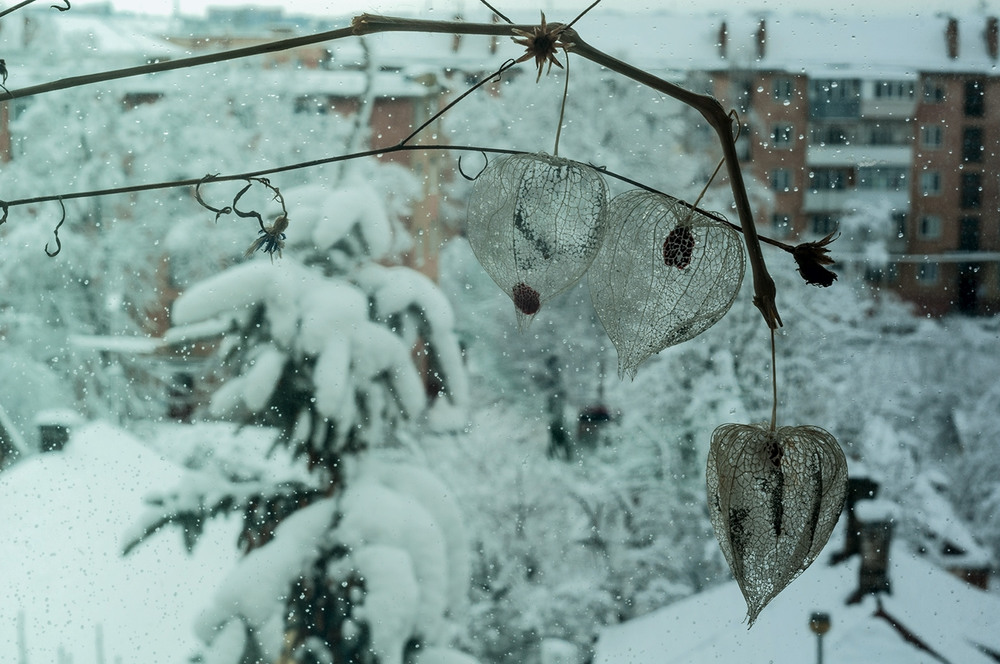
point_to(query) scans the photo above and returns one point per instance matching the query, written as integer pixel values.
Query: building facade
(900, 157)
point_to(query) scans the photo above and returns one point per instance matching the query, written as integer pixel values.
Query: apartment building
(886, 129)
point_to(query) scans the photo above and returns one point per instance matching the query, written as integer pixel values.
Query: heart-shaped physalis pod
(535, 224)
(774, 497)
(665, 274)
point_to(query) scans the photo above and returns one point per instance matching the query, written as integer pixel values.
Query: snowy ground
(66, 591)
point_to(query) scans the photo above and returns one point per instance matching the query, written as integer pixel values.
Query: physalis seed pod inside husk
(774, 498)
(535, 224)
(664, 275)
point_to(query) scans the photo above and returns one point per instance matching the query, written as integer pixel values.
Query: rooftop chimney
(858, 488)
(951, 38)
(761, 39)
(992, 36)
(876, 533)
(723, 38)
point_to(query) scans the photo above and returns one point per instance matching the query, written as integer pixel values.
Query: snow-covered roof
(948, 615)
(820, 45)
(67, 591)
(895, 47)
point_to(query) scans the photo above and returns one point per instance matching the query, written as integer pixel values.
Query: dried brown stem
(182, 63)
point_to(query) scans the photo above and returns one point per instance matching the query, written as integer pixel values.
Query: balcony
(859, 155)
(888, 108)
(832, 200)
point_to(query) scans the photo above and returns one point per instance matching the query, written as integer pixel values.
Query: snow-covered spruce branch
(709, 107)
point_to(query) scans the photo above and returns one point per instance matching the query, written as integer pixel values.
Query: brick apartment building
(896, 119)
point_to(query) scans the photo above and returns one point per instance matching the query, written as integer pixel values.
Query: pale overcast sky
(521, 7)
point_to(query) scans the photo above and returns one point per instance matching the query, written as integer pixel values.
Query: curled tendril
(63, 9)
(55, 231)
(6, 211)
(272, 238)
(197, 195)
(253, 214)
(473, 178)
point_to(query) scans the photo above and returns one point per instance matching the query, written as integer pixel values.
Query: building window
(781, 179)
(975, 98)
(743, 144)
(835, 98)
(972, 144)
(883, 178)
(899, 219)
(312, 104)
(885, 133)
(931, 136)
(933, 91)
(781, 225)
(828, 178)
(927, 274)
(782, 135)
(929, 227)
(930, 183)
(968, 234)
(894, 89)
(743, 94)
(830, 135)
(972, 190)
(822, 224)
(783, 89)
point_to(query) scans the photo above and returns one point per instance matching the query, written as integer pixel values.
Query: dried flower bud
(811, 257)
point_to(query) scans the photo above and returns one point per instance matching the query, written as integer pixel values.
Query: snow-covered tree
(354, 553)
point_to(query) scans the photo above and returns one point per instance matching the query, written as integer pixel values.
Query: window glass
(930, 183)
(975, 98)
(931, 136)
(930, 227)
(972, 144)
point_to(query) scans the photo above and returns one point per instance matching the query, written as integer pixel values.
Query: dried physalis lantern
(665, 274)
(774, 496)
(535, 224)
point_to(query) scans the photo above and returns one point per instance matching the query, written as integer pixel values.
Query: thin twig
(562, 106)
(774, 384)
(11, 10)
(582, 14)
(313, 163)
(182, 63)
(495, 76)
(495, 11)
